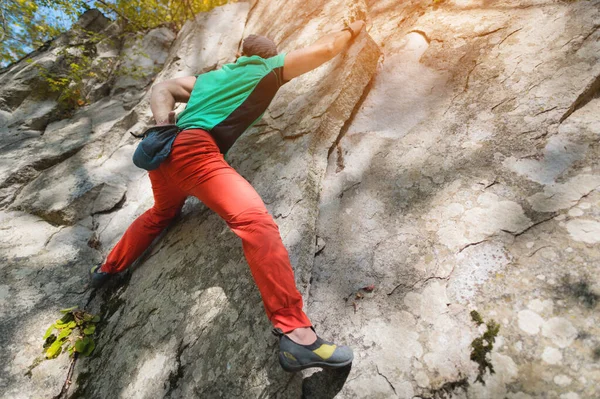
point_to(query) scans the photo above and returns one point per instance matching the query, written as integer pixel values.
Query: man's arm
(304, 60)
(166, 94)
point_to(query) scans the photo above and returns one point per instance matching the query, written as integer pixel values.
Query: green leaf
(60, 325)
(49, 331)
(71, 324)
(51, 338)
(96, 319)
(89, 330)
(54, 349)
(89, 348)
(68, 310)
(64, 333)
(81, 344)
(66, 319)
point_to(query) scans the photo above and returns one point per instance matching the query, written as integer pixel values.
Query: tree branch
(191, 10)
(3, 24)
(115, 11)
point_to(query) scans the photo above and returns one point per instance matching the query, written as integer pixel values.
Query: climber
(221, 105)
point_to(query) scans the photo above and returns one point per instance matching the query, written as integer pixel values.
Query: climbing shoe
(97, 277)
(295, 357)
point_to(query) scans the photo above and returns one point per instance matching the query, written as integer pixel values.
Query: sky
(54, 16)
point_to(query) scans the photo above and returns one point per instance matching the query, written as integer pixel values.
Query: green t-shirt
(227, 101)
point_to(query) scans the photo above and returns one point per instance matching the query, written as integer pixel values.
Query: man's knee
(251, 216)
(160, 218)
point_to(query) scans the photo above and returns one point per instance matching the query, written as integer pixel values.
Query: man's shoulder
(256, 62)
(276, 61)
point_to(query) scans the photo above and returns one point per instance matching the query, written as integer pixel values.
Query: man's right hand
(303, 60)
(356, 27)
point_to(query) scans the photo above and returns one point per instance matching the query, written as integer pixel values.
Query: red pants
(196, 167)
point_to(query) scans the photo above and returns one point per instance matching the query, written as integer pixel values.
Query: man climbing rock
(221, 105)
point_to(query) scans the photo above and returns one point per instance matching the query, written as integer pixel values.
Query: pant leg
(208, 177)
(168, 200)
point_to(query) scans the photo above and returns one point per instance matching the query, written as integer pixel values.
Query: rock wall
(447, 163)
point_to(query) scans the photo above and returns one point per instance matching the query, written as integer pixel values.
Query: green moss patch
(482, 346)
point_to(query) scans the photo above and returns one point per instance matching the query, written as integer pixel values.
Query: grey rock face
(445, 163)
(77, 175)
(145, 55)
(19, 80)
(442, 202)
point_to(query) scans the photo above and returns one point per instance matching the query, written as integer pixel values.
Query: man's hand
(304, 60)
(166, 94)
(169, 121)
(356, 27)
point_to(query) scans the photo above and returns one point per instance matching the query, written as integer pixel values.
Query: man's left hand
(169, 121)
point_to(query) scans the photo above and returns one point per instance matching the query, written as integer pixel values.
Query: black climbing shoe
(97, 277)
(295, 357)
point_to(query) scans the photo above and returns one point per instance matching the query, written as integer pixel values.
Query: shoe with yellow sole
(295, 357)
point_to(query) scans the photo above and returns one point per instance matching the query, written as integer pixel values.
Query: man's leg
(168, 200)
(200, 170)
(235, 200)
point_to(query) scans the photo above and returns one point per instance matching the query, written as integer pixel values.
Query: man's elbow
(171, 89)
(159, 87)
(162, 91)
(328, 51)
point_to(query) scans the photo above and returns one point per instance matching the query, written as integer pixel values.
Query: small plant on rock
(73, 333)
(75, 329)
(482, 346)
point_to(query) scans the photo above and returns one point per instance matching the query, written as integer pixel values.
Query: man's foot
(97, 277)
(303, 335)
(295, 357)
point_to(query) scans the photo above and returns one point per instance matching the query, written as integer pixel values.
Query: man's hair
(259, 45)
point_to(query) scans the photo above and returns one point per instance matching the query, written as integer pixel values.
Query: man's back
(227, 101)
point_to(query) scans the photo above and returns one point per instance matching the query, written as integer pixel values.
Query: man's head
(259, 45)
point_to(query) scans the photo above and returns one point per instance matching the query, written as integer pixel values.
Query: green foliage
(25, 25)
(69, 80)
(73, 68)
(147, 14)
(68, 77)
(73, 332)
(482, 346)
(476, 317)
